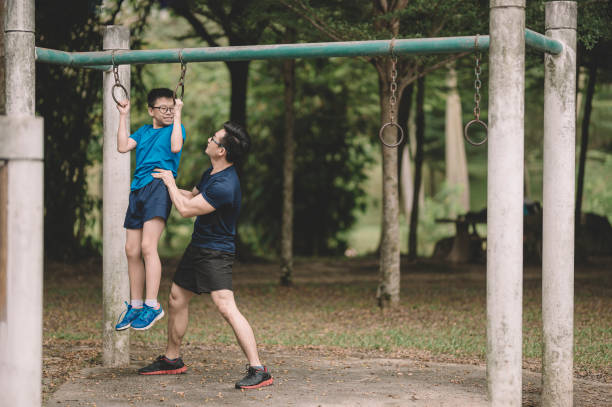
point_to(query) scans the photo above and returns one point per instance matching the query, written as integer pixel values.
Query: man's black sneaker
(163, 365)
(255, 379)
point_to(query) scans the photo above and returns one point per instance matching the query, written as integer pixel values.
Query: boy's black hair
(236, 141)
(157, 93)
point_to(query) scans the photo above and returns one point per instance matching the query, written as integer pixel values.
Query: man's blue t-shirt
(217, 230)
(153, 151)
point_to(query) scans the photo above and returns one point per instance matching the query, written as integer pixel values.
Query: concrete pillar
(20, 57)
(558, 207)
(21, 259)
(505, 201)
(21, 214)
(116, 191)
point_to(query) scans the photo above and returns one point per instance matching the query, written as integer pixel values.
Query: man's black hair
(236, 141)
(157, 93)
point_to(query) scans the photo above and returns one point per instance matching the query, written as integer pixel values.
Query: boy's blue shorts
(146, 203)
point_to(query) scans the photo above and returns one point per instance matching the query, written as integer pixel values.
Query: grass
(441, 312)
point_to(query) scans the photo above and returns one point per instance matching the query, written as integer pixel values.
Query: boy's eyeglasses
(163, 108)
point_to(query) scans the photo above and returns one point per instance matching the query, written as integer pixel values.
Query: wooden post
(115, 193)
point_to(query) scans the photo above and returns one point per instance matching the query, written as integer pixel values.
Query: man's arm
(188, 204)
(124, 142)
(176, 139)
(189, 194)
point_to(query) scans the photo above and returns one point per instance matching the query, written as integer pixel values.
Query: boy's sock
(152, 303)
(258, 367)
(136, 303)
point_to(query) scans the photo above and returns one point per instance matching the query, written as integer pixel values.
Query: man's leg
(151, 233)
(224, 300)
(171, 363)
(177, 320)
(136, 269)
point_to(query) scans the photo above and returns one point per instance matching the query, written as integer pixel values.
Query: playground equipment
(21, 244)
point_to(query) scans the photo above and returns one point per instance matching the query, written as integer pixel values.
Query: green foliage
(329, 164)
(597, 192)
(68, 99)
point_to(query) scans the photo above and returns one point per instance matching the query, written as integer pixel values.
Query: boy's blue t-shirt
(153, 151)
(217, 230)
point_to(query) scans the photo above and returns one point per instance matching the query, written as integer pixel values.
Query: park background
(338, 196)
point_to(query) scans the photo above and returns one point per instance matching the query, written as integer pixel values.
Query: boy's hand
(178, 106)
(124, 107)
(164, 175)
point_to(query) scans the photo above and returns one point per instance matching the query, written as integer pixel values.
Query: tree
(68, 99)
(288, 166)
(241, 22)
(383, 19)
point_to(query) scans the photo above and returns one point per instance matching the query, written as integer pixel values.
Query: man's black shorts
(203, 270)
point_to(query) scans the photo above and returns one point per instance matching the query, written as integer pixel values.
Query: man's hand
(164, 175)
(124, 107)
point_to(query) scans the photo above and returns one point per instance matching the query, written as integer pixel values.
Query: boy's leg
(136, 273)
(178, 319)
(224, 300)
(136, 269)
(151, 232)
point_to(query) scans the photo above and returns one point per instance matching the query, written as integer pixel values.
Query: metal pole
(115, 193)
(505, 202)
(420, 46)
(558, 207)
(21, 215)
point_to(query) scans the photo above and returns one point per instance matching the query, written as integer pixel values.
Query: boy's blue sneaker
(147, 317)
(130, 315)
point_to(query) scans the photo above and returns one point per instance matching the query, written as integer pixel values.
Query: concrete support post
(20, 57)
(21, 214)
(21, 255)
(558, 206)
(116, 190)
(505, 202)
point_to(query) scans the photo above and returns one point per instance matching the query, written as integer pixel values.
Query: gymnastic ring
(125, 92)
(467, 137)
(401, 131)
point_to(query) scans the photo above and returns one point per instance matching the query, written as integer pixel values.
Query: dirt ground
(304, 376)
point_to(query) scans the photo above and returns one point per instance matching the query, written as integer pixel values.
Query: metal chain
(477, 84)
(393, 86)
(181, 82)
(117, 81)
(115, 69)
(476, 120)
(392, 102)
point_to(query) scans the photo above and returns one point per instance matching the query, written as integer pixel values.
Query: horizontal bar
(542, 43)
(421, 46)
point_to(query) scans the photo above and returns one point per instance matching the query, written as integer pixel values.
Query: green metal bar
(542, 43)
(446, 45)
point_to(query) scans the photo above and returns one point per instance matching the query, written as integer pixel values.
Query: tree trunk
(288, 170)
(584, 141)
(456, 161)
(239, 76)
(418, 166)
(403, 117)
(388, 288)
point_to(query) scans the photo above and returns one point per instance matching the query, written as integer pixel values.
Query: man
(206, 266)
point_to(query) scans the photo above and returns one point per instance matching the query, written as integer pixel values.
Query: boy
(158, 145)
